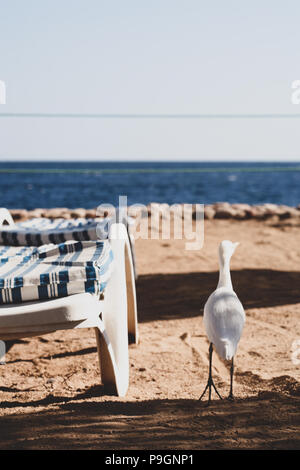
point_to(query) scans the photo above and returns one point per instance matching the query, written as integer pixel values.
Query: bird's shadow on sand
(171, 296)
(270, 420)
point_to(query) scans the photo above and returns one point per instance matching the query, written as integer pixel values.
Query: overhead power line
(149, 116)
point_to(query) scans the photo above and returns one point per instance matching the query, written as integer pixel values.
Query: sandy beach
(179, 120)
(51, 394)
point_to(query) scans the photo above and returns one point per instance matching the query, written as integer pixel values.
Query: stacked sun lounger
(49, 271)
(41, 231)
(44, 259)
(61, 274)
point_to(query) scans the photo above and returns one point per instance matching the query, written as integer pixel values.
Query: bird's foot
(209, 385)
(230, 397)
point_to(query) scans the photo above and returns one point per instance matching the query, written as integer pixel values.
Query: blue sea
(87, 184)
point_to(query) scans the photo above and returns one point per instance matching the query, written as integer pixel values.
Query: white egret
(224, 318)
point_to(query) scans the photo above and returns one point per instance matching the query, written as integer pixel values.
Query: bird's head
(226, 249)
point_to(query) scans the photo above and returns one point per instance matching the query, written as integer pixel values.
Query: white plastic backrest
(117, 232)
(103, 229)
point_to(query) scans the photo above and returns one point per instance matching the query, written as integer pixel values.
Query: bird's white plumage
(224, 316)
(224, 319)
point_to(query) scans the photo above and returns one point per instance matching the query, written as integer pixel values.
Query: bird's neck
(224, 275)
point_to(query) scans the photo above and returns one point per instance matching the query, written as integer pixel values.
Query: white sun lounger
(113, 316)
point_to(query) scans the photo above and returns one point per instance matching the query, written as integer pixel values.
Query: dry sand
(50, 390)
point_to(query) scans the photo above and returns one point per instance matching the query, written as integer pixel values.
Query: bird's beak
(236, 244)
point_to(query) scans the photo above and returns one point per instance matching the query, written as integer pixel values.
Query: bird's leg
(210, 382)
(230, 396)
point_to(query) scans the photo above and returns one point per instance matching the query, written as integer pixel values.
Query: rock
(198, 212)
(184, 336)
(266, 211)
(102, 211)
(51, 381)
(287, 212)
(79, 213)
(258, 212)
(294, 212)
(56, 213)
(149, 209)
(66, 215)
(163, 210)
(19, 214)
(90, 213)
(219, 210)
(137, 212)
(188, 211)
(221, 205)
(281, 209)
(270, 209)
(243, 207)
(209, 212)
(225, 212)
(176, 211)
(36, 213)
(240, 214)
(243, 211)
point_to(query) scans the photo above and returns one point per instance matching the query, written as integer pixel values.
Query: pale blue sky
(158, 56)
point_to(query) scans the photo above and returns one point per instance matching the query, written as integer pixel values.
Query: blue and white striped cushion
(49, 271)
(41, 231)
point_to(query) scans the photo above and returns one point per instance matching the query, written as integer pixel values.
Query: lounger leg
(133, 335)
(113, 340)
(114, 370)
(106, 363)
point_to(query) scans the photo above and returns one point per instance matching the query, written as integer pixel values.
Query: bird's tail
(225, 349)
